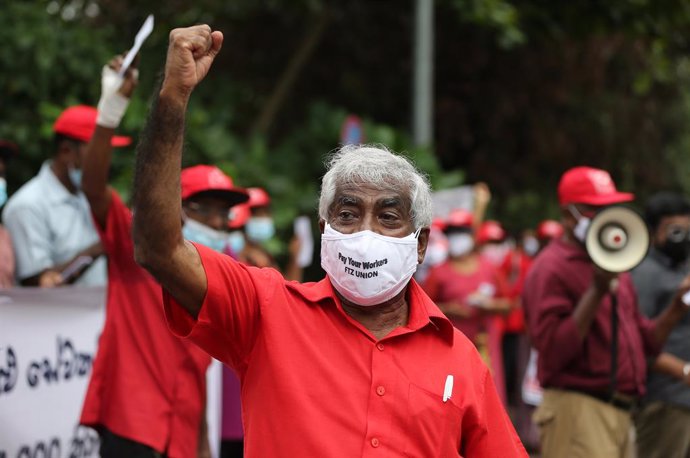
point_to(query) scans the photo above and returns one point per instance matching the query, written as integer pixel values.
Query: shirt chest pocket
(433, 426)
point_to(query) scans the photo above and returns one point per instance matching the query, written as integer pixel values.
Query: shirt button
(375, 442)
(380, 346)
(380, 391)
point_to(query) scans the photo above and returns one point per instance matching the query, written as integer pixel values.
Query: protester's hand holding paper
(303, 232)
(141, 36)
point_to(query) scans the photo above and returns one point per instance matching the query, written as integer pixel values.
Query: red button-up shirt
(558, 278)
(147, 385)
(316, 383)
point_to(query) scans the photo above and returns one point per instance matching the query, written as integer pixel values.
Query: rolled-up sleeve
(230, 316)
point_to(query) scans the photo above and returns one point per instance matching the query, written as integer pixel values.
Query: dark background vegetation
(523, 89)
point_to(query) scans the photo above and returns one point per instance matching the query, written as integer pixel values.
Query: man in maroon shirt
(567, 301)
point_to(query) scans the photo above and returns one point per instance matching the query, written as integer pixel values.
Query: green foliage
(524, 89)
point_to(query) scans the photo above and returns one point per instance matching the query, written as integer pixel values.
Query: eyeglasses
(207, 211)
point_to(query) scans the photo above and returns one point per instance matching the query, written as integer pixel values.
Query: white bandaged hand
(112, 106)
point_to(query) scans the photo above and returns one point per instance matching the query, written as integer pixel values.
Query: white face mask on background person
(367, 268)
(460, 244)
(3, 191)
(75, 176)
(197, 232)
(583, 222)
(259, 228)
(530, 245)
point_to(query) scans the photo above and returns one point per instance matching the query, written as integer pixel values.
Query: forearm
(669, 364)
(586, 310)
(157, 208)
(667, 320)
(95, 167)
(55, 275)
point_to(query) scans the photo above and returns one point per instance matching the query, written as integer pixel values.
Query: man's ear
(422, 242)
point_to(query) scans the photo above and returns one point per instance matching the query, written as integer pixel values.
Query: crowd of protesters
(533, 307)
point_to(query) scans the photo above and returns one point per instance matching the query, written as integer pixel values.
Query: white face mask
(530, 245)
(580, 231)
(196, 232)
(368, 268)
(460, 244)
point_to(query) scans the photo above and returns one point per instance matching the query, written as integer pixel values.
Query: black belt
(619, 400)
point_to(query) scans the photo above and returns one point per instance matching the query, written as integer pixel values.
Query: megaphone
(617, 239)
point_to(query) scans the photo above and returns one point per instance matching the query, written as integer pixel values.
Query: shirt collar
(56, 191)
(423, 312)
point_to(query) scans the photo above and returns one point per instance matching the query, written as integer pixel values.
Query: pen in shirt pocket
(448, 388)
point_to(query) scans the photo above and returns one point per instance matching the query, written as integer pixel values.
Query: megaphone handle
(614, 341)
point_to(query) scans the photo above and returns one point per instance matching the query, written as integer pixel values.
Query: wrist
(173, 95)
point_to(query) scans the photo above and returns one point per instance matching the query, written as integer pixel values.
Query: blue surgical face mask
(236, 241)
(3, 191)
(75, 176)
(196, 232)
(259, 228)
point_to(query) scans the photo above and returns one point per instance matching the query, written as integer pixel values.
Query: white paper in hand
(306, 248)
(142, 35)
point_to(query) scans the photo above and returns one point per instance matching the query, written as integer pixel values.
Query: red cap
(210, 180)
(258, 197)
(438, 223)
(490, 231)
(586, 185)
(79, 122)
(239, 215)
(549, 229)
(459, 218)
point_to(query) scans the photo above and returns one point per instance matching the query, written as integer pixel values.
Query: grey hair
(376, 166)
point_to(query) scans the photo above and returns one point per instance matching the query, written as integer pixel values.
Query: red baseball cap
(239, 215)
(258, 197)
(490, 231)
(587, 185)
(549, 229)
(211, 180)
(459, 218)
(79, 122)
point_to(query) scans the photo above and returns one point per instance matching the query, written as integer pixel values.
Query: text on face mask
(348, 261)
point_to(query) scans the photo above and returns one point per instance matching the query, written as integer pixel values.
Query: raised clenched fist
(190, 54)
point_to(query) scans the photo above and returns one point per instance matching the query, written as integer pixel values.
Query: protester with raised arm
(361, 363)
(147, 391)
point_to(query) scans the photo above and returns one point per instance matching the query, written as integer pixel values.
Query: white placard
(48, 342)
(139, 39)
(306, 248)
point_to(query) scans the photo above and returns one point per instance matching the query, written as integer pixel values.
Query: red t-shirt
(557, 280)
(514, 270)
(147, 385)
(316, 383)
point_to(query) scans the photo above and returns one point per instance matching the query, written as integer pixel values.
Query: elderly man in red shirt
(567, 301)
(361, 363)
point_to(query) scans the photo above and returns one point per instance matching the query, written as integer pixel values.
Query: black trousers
(114, 446)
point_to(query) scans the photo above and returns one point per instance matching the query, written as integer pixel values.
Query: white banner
(48, 341)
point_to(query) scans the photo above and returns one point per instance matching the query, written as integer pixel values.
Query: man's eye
(345, 215)
(389, 217)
